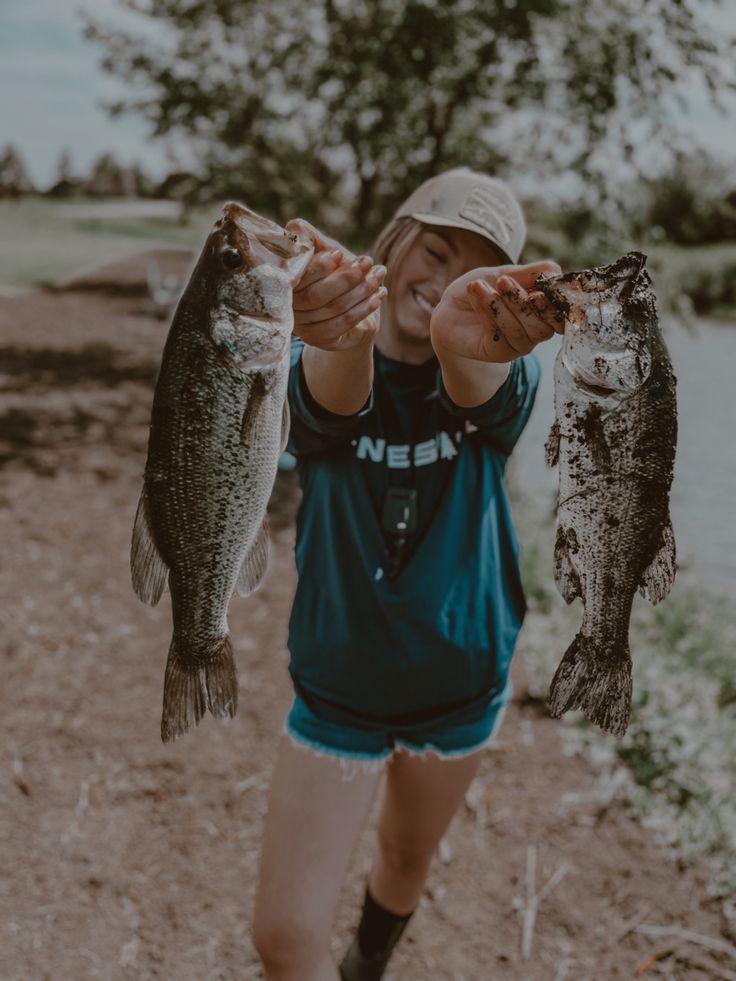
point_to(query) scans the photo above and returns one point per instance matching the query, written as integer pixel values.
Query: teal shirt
(442, 632)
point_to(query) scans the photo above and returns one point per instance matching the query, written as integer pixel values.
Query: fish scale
(613, 440)
(218, 424)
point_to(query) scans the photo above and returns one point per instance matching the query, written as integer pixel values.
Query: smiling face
(417, 280)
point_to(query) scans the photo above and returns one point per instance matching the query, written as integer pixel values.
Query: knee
(285, 943)
(404, 858)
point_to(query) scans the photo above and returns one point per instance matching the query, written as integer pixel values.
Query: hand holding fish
(489, 315)
(336, 300)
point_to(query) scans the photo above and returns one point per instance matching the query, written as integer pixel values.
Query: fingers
(521, 319)
(329, 333)
(328, 253)
(320, 265)
(337, 292)
(346, 302)
(552, 316)
(528, 274)
(528, 308)
(501, 323)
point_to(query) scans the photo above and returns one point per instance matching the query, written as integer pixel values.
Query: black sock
(379, 929)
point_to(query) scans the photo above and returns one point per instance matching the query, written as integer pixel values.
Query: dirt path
(124, 858)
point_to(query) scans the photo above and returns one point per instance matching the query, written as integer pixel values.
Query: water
(704, 488)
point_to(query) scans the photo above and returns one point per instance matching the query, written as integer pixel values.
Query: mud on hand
(492, 314)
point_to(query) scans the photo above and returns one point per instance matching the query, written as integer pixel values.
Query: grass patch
(42, 244)
(680, 750)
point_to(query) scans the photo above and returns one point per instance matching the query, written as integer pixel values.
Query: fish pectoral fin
(147, 566)
(285, 424)
(657, 578)
(254, 564)
(566, 576)
(251, 428)
(552, 446)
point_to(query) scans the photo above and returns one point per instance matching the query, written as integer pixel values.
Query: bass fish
(613, 440)
(218, 424)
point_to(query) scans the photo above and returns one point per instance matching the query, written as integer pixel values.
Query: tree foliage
(109, 178)
(336, 109)
(14, 179)
(694, 202)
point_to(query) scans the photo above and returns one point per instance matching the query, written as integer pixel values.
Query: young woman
(409, 598)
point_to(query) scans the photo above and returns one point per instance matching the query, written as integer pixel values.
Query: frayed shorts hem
(353, 762)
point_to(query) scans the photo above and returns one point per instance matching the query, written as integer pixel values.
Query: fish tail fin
(193, 684)
(596, 680)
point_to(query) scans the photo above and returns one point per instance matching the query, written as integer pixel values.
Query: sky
(51, 90)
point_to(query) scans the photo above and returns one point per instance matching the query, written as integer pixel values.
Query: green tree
(65, 183)
(336, 109)
(694, 201)
(108, 178)
(14, 179)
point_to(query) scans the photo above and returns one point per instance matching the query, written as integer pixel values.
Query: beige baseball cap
(464, 198)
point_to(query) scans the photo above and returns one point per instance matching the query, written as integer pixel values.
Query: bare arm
(336, 315)
(340, 381)
(470, 383)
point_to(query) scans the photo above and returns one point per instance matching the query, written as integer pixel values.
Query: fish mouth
(599, 391)
(259, 239)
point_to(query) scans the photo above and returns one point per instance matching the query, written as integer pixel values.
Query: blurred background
(124, 125)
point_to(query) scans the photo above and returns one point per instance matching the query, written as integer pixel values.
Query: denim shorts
(364, 744)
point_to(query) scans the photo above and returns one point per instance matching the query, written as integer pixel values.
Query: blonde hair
(394, 242)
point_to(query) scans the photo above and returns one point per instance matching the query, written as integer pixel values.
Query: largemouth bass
(218, 424)
(613, 440)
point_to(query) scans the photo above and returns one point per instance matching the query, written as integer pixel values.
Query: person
(411, 381)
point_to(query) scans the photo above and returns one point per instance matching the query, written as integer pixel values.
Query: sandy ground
(124, 858)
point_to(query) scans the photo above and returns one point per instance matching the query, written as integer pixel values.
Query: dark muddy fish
(614, 442)
(218, 424)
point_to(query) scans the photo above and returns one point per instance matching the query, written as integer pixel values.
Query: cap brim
(427, 219)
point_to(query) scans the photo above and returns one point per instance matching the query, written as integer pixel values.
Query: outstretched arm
(336, 315)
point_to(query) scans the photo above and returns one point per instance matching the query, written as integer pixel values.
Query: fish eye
(231, 258)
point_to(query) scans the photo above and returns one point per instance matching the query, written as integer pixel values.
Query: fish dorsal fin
(255, 563)
(657, 578)
(552, 446)
(148, 568)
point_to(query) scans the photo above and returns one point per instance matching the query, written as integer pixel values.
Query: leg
(422, 795)
(314, 818)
